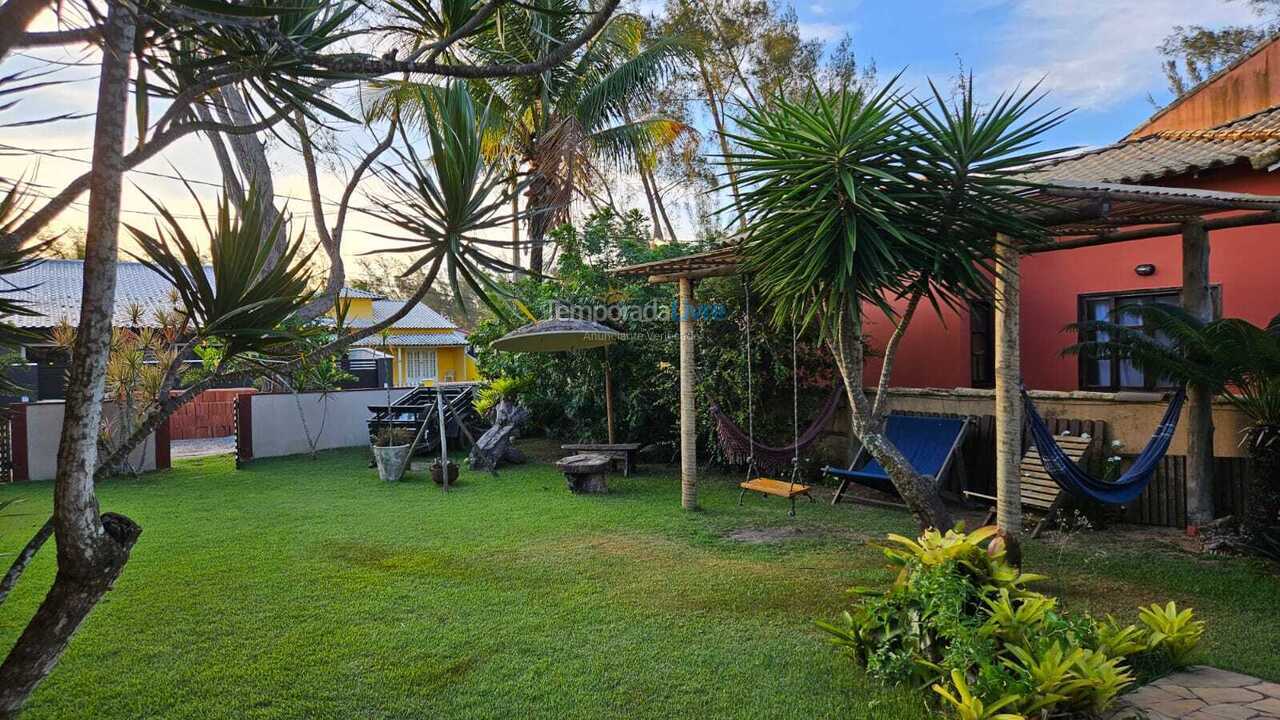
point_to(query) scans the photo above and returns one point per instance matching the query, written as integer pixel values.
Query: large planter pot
(392, 461)
(438, 475)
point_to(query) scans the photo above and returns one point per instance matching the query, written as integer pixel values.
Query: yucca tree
(564, 128)
(854, 199)
(1229, 357)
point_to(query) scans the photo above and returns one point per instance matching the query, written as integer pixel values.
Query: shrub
(961, 619)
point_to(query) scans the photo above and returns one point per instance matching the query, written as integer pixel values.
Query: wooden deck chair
(1040, 493)
(931, 444)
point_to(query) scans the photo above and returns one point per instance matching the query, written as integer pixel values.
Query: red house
(1223, 135)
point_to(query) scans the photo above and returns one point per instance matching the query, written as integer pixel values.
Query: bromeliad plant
(960, 619)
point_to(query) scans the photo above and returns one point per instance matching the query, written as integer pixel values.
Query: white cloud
(1095, 52)
(824, 31)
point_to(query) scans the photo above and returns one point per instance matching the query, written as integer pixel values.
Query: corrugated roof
(350, 292)
(1254, 139)
(415, 340)
(53, 289)
(420, 317)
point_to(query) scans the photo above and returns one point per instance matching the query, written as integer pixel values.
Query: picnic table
(617, 452)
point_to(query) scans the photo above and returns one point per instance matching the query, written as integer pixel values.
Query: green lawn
(305, 588)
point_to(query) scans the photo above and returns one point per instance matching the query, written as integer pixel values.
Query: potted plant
(391, 452)
(437, 474)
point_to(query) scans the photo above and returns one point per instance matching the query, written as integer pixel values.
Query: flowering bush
(961, 619)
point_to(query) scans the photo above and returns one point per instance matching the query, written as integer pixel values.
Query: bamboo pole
(1008, 401)
(1197, 301)
(688, 412)
(608, 395)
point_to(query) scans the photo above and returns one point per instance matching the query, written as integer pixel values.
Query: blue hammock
(1124, 489)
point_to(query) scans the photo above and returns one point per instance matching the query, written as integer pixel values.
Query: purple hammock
(739, 448)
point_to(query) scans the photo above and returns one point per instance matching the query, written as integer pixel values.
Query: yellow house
(425, 347)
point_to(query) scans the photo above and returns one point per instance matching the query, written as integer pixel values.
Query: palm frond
(447, 203)
(248, 302)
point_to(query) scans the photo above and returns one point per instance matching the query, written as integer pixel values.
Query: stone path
(202, 447)
(1202, 693)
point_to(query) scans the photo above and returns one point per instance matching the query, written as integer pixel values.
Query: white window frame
(419, 365)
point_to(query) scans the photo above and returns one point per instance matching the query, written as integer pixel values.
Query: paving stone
(1270, 707)
(1207, 677)
(1225, 712)
(1176, 708)
(1158, 693)
(1267, 688)
(1237, 695)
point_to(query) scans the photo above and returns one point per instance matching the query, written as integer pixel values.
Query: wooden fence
(1163, 503)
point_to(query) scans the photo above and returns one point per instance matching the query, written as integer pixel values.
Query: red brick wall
(208, 416)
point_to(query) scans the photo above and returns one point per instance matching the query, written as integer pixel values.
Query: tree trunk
(494, 447)
(515, 217)
(920, 493)
(251, 157)
(1008, 400)
(713, 104)
(688, 410)
(1197, 301)
(662, 207)
(92, 547)
(15, 17)
(649, 192)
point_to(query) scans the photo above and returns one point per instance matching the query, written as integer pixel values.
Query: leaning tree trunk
(495, 446)
(92, 547)
(917, 491)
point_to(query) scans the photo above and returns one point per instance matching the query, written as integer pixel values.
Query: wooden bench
(624, 452)
(585, 473)
(1040, 492)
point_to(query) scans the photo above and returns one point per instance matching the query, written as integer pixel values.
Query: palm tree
(1229, 357)
(564, 128)
(855, 198)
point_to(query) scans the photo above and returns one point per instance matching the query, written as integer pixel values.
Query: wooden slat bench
(1040, 492)
(624, 452)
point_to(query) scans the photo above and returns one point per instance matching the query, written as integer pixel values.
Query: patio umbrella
(562, 336)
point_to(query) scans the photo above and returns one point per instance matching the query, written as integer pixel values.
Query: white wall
(44, 431)
(278, 429)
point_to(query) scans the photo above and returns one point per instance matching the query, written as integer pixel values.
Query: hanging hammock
(740, 448)
(1124, 489)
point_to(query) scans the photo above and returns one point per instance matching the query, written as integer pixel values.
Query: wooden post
(608, 396)
(1196, 300)
(1008, 367)
(688, 413)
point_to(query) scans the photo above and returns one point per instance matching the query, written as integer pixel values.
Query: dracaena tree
(859, 201)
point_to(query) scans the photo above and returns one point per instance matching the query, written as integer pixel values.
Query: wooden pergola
(1076, 214)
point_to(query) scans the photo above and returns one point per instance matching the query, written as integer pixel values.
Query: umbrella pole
(608, 395)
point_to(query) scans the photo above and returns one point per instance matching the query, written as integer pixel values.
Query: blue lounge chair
(930, 444)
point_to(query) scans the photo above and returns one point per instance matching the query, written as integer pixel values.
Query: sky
(1096, 57)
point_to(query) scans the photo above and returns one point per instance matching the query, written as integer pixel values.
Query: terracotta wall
(1250, 87)
(1243, 261)
(210, 415)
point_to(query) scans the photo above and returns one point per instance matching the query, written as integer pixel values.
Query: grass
(305, 588)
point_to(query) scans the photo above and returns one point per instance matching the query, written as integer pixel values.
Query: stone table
(585, 473)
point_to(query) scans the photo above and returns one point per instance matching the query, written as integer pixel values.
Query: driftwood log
(494, 447)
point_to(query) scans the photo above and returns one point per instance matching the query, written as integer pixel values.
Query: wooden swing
(789, 489)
